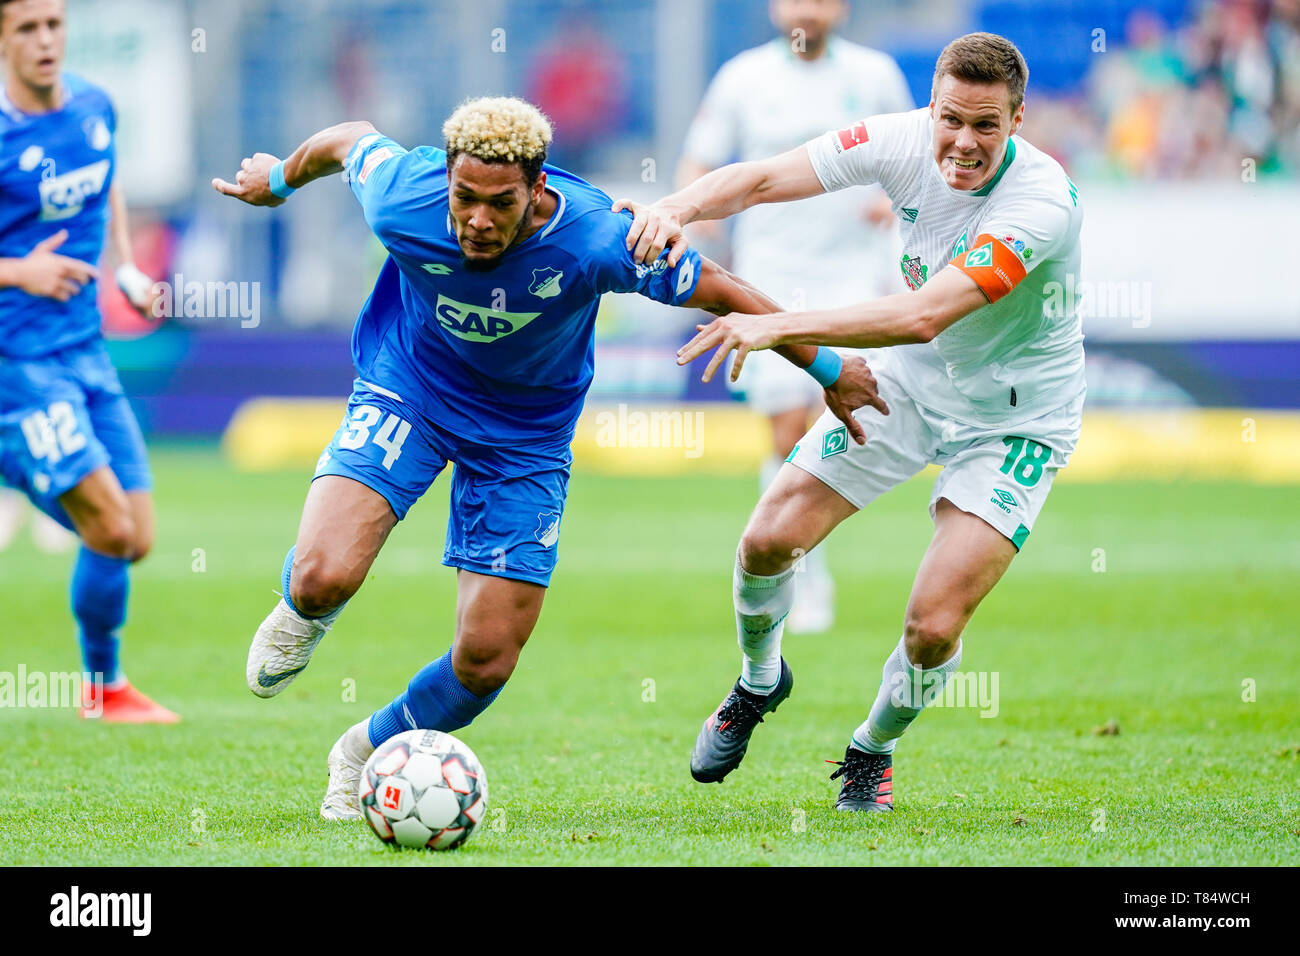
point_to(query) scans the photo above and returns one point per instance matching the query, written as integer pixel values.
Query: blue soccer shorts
(506, 499)
(61, 417)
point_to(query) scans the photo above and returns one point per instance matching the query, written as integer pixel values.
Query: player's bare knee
(112, 534)
(765, 550)
(484, 671)
(931, 638)
(142, 544)
(318, 585)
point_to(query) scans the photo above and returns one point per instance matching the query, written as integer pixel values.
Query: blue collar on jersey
(18, 116)
(541, 233)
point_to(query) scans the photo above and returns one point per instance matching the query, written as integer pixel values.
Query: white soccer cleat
(281, 649)
(347, 759)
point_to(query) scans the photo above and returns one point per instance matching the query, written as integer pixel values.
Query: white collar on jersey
(551, 223)
(14, 113)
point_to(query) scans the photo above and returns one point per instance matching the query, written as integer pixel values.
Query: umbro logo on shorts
(1004, 500)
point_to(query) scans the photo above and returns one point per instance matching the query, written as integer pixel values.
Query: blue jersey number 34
(389, 437)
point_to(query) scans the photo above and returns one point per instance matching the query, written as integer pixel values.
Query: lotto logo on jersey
(65, 196)
(854, 135)
(473, 323)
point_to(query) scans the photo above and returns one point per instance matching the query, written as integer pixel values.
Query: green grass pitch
(586, 749)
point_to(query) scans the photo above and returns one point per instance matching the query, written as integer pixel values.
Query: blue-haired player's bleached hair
(499, 129)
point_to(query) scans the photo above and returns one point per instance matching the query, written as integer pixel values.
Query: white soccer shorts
(1001, 474)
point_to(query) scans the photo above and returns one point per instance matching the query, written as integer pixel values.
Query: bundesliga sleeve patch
(373, 160)
(851, 136)
(995, 268)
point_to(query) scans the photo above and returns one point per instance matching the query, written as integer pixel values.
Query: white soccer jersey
(765, 101)
(1017, 237)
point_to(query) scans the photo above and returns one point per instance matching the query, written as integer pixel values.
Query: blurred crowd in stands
(1179, 102)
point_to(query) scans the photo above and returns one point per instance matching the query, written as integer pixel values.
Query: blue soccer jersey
(500, 355)
(55, 172)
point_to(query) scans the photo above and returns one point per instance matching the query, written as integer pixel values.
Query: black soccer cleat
(868, 781)
(722, 741)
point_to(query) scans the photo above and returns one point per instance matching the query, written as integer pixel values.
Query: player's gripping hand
(52, 276)
(253, 181)
(654, 228)
(855, 388)
(732, 332)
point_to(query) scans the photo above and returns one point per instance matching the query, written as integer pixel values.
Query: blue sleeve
(617, 272)
(391, 184)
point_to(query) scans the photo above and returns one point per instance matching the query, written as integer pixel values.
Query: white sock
(904, 692)
(356, 742)
(767, 471)
(762, 603)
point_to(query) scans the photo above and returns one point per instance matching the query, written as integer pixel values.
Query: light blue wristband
(825, 367)
(278, 186)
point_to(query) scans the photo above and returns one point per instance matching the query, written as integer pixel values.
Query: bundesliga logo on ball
(423, 788)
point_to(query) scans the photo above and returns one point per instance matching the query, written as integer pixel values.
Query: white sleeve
(864, 153)
(714, 136)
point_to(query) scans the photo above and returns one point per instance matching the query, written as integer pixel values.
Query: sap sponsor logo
(474, 323)
(548, 529)
(74, 908)
(66, 195)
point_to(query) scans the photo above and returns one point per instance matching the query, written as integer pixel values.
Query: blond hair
(499, 129)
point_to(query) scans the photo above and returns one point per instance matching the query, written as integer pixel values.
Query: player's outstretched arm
(717, 195)
(848, 382)
(138, 288)
(901, 319)
(322, 154)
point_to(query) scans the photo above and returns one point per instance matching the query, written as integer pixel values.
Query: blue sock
(434, 700)
(285, 575)
(99, 590)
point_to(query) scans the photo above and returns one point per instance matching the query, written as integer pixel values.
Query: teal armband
(825, 368)
(278, 186)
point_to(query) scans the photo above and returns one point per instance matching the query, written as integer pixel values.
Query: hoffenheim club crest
(548, 529)
(546, 282)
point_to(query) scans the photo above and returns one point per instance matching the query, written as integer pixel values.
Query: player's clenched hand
(733, 332)
(52, 276)
(854, 389)
(252, 183)
(653, 229)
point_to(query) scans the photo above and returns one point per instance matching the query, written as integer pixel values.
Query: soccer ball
(423, 788)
